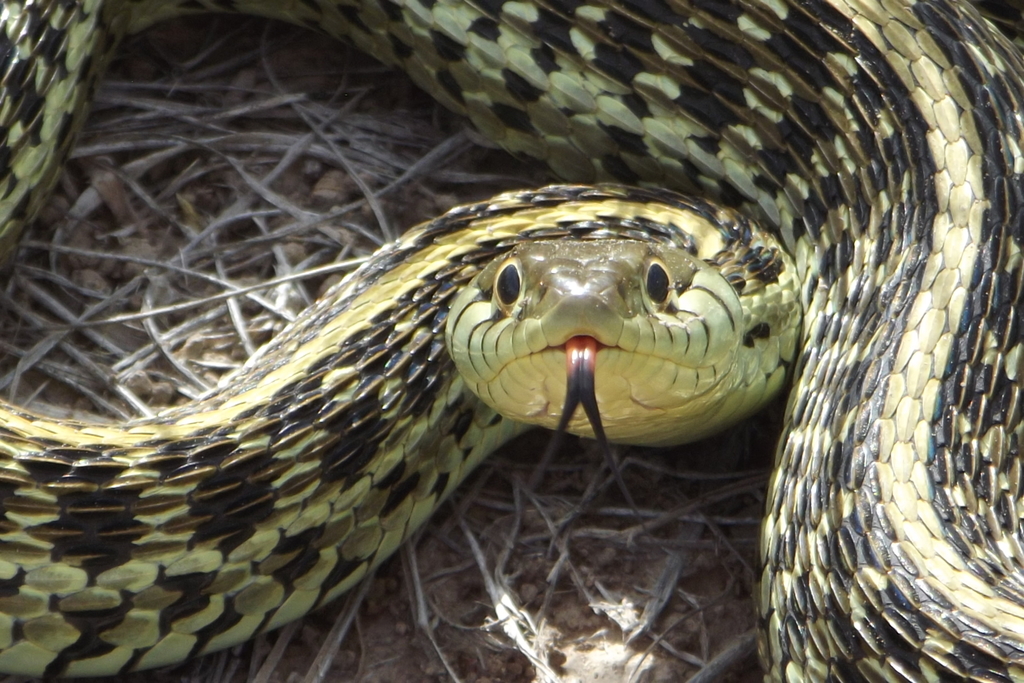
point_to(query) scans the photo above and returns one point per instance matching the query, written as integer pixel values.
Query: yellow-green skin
(138, 546)
(879, 140)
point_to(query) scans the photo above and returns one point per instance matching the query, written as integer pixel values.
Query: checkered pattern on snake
(879, 138)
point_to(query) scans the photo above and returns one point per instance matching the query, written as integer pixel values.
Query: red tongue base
(580, 357)
(580, 366)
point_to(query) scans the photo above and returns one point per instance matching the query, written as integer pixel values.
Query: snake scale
(879, 139)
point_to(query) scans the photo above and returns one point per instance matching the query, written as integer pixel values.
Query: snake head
(653, 340)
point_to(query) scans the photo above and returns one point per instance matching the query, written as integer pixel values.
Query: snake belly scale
(880, 139)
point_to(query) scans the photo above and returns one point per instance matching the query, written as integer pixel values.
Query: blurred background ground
(231, 171)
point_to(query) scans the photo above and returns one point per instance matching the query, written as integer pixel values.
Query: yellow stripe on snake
(880, 140)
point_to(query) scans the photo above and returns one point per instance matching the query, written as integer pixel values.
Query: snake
(877, 142)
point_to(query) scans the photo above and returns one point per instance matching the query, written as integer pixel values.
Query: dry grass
(231, 172)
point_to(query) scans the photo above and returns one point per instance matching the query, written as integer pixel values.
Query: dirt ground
(232, 170)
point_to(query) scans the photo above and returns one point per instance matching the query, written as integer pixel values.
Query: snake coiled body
(880, 140)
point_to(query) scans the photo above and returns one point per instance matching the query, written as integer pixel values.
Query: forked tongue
(580, 368)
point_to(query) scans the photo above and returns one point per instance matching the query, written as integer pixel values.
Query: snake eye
(508, 283)
(657, 282)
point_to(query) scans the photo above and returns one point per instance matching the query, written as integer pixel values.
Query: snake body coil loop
(881, 141)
